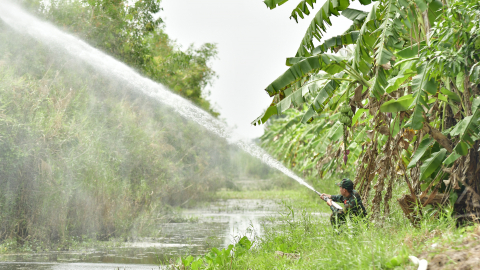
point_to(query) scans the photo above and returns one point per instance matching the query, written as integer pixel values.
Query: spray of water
(48, 34)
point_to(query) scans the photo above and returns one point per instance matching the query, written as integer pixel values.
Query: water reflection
(215, 225)
(75, 266)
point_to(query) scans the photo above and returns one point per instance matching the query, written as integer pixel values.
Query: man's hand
(327, 195)
(329, 202)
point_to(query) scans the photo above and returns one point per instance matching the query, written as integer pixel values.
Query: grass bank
(301, 238)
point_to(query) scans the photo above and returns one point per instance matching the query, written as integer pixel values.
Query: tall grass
(374, 244)
(83, 156)
(305, 230)
(302, 233)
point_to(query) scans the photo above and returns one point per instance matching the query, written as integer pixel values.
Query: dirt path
(464, 256)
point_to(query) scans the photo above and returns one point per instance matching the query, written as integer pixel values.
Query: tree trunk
(467, 206)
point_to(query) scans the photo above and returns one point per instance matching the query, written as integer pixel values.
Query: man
(353, 205)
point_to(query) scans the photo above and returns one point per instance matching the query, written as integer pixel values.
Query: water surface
(216, 225)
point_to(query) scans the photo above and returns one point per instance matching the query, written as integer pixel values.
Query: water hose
(325, 198)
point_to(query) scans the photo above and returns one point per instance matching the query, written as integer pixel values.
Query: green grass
(383, 245)
(301, 197)
(299, 229)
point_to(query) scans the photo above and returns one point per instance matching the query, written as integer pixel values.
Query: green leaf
(354, 14)
(394, 262)
(475, 104)
(431, 86)
(321, 100)
(475, 70)
(422, 148)
(451, 95)
(411, 51)
(328, 63)
(416, 120)
(196, 265)
(434, 11)
(302, 8)
(336, 132)
(406, 72)
(362, 59)
(242, 246)
(386, 41)
(298, 97)
(459, 81)
(453, 198)
(318, 25)
(451, 158)
(467, 130)
(263, 118)
(432, 164)
(395, 125)
(357, 115)
(380, 81)
(442, 98)
(422, 5)
(187, 261)
(294, 60)
(336, 42)
(401, 104)
(274, 3)
(419, 84)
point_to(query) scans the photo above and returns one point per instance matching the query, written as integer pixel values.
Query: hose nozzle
(325, 198)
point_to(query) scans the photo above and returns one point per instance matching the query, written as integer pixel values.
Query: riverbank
(189, 231)
(300, 238)
(288, 228)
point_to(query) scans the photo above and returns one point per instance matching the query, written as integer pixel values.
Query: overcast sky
(253, 42)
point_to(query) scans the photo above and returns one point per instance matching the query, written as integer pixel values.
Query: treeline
(133, 33)
(84, 156)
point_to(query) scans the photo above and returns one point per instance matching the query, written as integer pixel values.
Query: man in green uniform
(353, 205)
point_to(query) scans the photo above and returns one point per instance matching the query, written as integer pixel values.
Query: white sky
(253, 43)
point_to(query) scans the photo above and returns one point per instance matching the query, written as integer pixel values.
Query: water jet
(50, 35)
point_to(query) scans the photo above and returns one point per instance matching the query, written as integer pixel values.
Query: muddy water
(216, 225)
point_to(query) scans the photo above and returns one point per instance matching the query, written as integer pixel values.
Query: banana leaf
(432, 164)
(421, 85)
(329, 63)
(318, 25)
(354, 14)
(397, 105)
(271, 4)
(422, 148)
(338, 41)
(451, 95)
(357, 115)
(365, 41)
(323, 97)
(296, 98)
(467, 130)
(451, 158)
(408, 69)
(336, 132)
(302, 8)
(263, 118)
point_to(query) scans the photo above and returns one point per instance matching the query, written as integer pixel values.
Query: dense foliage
(133, 33)
(85, 156)
(408, 70)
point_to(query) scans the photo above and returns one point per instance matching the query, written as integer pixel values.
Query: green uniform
(352, 206)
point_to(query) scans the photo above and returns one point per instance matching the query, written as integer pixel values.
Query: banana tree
(401, 85)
